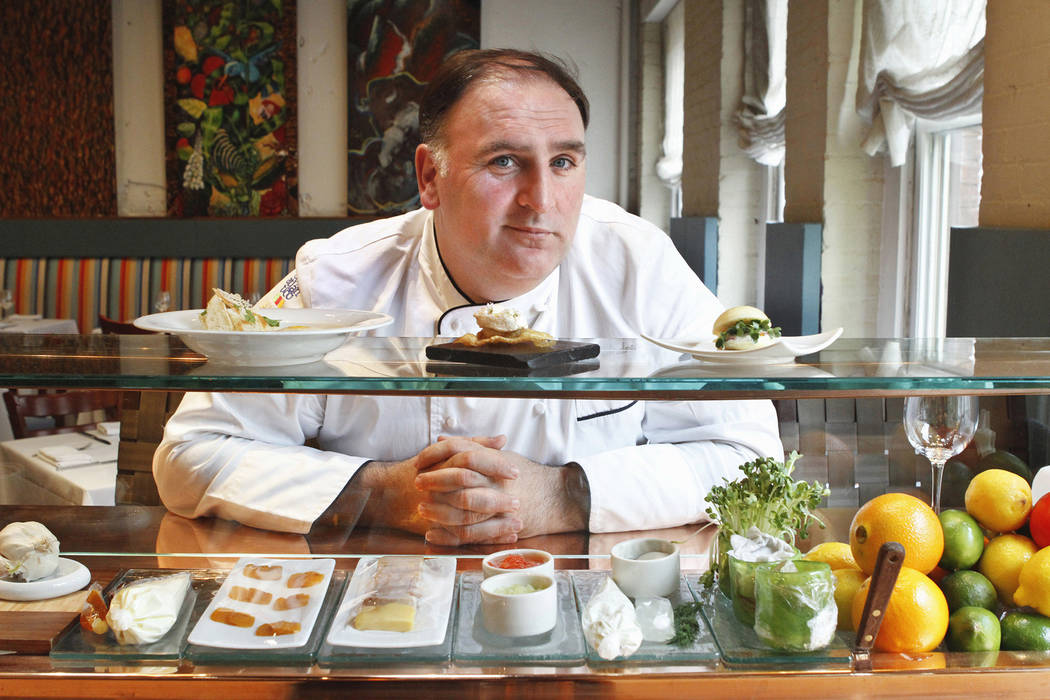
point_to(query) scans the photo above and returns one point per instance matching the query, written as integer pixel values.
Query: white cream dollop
(609, 623)
(143, 611)
(499, 318)
(759, 546)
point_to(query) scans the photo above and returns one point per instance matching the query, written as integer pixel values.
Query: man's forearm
(390, 498)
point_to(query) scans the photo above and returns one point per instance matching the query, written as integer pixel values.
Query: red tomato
(183, 75)
(1039, 521)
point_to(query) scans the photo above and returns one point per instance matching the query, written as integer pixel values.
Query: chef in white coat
(501, 175)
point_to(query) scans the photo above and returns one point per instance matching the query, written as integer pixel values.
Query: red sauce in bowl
(516, 561)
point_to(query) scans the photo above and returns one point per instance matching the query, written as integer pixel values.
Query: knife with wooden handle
(887, 567)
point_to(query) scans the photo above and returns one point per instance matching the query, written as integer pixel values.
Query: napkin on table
(110, 427)
(63, 456)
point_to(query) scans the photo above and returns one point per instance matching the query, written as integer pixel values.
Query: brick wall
(702, 104)
(1016, 183)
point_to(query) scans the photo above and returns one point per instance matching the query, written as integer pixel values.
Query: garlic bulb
(28, 551)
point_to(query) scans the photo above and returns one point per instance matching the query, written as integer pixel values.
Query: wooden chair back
(109, 325)
(65, 407)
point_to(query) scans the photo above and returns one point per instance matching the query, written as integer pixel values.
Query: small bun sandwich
(743, 328)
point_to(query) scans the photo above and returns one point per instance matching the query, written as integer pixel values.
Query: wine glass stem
(935, 485)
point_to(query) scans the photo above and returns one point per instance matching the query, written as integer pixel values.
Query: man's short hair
(464, 68)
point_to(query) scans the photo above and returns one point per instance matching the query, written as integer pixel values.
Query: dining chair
(109, 325)
(65, 408)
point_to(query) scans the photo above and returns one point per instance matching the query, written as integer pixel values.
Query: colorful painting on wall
(394, 48)
(229, 89)
(56, 154)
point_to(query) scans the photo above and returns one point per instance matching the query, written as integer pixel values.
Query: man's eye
(563, 163)
(502, 161)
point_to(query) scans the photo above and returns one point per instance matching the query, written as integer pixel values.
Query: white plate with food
(408, 606)
(265, 604)
(300, 336)
(778, 351)
(70, 576)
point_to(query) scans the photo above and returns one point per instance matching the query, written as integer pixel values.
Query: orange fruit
(897, 517)
(915, 619)
(837, 555)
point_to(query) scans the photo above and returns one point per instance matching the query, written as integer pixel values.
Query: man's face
(509, 187)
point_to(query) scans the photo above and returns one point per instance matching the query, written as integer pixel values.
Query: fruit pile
(976, 580)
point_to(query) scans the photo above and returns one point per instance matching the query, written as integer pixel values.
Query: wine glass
(939, 427)
(7, 303)
(163, 302)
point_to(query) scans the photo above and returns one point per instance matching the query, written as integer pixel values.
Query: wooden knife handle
(887, 567)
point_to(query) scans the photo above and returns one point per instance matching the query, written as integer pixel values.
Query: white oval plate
(70, 576)
(310, 334)
(781, 350)
(750, 371)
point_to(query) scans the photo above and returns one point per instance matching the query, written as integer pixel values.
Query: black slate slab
(521, 356)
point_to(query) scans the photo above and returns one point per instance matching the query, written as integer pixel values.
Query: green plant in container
(768, 498)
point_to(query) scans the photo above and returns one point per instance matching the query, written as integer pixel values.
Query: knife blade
(96, 437)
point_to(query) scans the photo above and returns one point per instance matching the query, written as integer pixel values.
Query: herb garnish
(752, 327)
(686, 626)
(767, 498)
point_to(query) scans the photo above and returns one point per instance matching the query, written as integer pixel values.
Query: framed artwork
(230, 105)
(56, 156)
(393, 50)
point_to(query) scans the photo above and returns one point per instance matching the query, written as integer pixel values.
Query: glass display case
(841, 408)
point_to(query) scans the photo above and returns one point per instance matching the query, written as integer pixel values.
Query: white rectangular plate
(210, 633)
(439, 577)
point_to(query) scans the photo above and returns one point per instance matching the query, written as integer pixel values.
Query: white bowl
(519, 614)
(545, 561)
(640, 577)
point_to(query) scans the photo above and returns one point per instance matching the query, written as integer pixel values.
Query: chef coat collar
(449, 297)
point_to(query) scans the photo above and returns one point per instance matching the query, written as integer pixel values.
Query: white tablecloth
(35, 324)
(90, 485)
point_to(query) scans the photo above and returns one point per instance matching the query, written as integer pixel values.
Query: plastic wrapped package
(795, 605)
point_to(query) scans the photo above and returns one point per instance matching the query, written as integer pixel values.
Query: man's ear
(426, 174)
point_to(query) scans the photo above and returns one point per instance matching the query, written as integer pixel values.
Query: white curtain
(918, 59)
(760, 119)
(669, 166)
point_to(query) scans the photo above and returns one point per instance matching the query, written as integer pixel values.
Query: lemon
(1033, 587)
(1000, 500)
(847, 583)
(837, 555)
(1004, 557)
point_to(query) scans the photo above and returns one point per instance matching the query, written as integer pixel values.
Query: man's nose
(536, 190)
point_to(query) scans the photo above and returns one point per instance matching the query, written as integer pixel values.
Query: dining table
(92, 483)
(37, 324)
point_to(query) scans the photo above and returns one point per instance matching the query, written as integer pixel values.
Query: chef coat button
(539, 308)
(451, 423)
(539, 409)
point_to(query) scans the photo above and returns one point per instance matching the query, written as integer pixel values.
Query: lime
(966, 588)
(973, 629)
(1001, 459)
(954, 480)
(963, 540)
(1025, 632)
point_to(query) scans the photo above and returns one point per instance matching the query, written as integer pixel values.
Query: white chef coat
(649, 464)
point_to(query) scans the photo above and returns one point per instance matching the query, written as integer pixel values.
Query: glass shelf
(625, 367)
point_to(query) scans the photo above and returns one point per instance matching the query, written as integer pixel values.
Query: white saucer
(70, 576)
(781, 350)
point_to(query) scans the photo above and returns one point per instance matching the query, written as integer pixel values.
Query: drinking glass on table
(7, 303)
(163, 302)
(939, 427)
